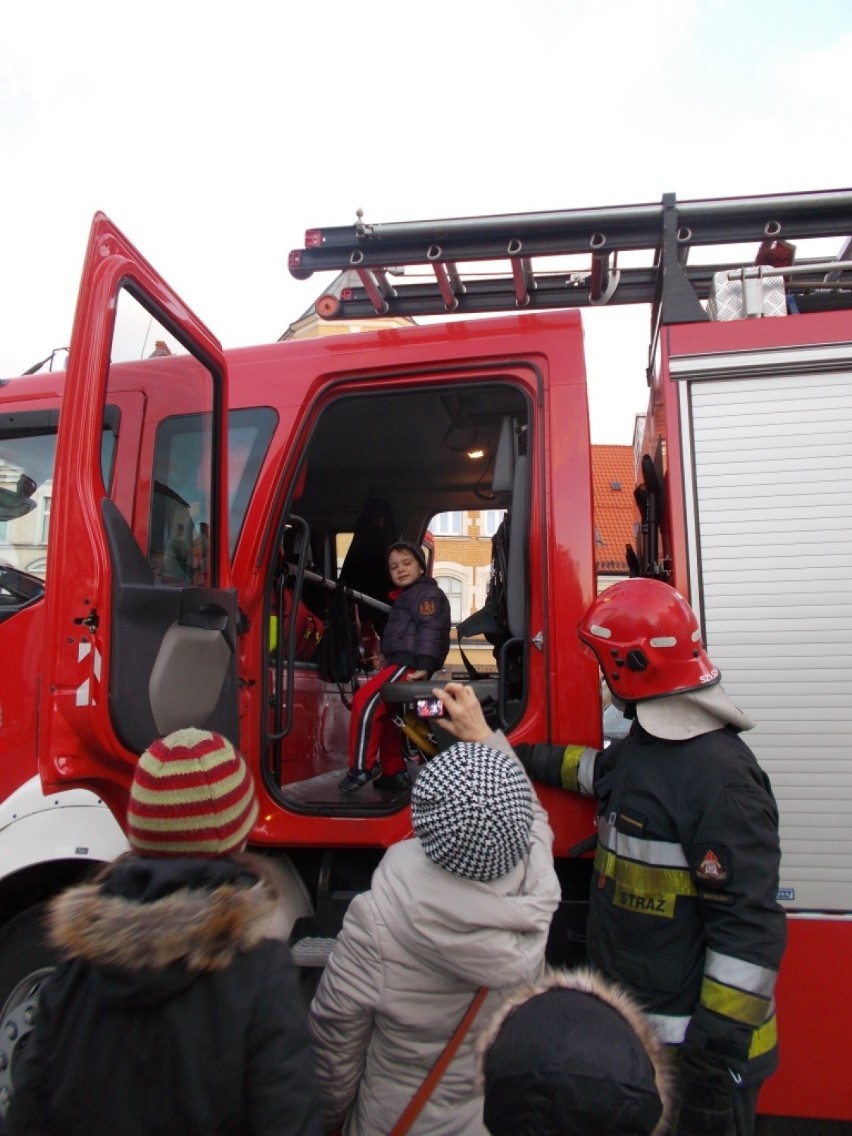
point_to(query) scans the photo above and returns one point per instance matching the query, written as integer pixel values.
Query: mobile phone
(429, 707)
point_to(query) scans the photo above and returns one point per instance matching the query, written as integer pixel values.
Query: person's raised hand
(463, 717)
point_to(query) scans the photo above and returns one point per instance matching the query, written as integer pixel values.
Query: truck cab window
(179, 527)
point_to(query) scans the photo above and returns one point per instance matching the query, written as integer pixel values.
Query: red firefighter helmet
(647, 640)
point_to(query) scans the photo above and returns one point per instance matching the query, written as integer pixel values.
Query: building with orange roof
(615, 512)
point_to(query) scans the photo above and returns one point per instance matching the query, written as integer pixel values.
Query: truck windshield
(27, 454)
(26, 473)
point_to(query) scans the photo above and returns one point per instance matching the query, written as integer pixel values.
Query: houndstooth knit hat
(471, 808)
(192, 795)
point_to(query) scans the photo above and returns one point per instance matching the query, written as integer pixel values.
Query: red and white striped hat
(192, 795)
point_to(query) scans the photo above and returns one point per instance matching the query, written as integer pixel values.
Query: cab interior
(378, 468)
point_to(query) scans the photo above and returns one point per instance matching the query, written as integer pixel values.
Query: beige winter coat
(411, 955)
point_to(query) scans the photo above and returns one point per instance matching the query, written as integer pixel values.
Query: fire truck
(199, 500)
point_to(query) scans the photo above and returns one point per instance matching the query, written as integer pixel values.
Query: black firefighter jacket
(683, 907)
(176, 1012)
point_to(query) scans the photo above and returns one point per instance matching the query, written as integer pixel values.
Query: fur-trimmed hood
(152, 924)
(146, 1027)
(573, 1049)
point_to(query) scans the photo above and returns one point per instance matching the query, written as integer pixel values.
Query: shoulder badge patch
(427, 608)
(711, 869)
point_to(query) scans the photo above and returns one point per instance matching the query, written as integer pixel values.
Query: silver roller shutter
(771, 542)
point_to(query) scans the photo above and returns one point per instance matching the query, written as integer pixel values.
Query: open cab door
(141, 619)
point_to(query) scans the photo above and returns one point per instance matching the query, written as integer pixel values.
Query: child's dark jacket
(178, 1010)
(417, 633)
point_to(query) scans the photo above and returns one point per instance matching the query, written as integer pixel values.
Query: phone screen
(429, 708)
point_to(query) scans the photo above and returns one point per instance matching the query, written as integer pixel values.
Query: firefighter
(683, 908)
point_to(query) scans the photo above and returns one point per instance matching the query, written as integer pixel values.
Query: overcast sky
(214, 135)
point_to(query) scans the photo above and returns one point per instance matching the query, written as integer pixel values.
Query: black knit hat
(471, 809)
(417, 553)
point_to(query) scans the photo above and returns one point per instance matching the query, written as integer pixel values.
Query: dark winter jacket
(683, 900)
(573, 1055)
(178, 1010)
(417, 633)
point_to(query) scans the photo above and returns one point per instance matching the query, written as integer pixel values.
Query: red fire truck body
(196, 496)
(750, 423)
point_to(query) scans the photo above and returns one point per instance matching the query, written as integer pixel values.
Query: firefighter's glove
(704, 1094)
(542, 761)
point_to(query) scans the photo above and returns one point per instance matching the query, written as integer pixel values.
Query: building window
(452, 588)
(447, 524)
(43, 520)
(489, 521)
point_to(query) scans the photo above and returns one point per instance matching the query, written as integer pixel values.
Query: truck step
(311, 951)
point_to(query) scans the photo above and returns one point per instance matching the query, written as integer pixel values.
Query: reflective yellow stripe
(637, 849)
(570, 768)
(642, 878)
(735, 1004)
(671, 1029)
(764, 1039)
(663, 905)
(749, 976)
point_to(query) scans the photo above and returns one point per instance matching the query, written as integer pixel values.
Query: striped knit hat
(192, 795)
(471, 810)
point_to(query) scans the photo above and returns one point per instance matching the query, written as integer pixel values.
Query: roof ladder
(447, 277)
(658, 237)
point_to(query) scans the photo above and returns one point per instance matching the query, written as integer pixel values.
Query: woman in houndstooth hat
(466, 903)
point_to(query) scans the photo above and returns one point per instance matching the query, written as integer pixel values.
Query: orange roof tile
(615, 512)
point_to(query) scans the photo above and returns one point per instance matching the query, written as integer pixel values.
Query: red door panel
(129, 618)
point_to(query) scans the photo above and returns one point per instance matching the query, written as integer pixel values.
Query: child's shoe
(356, 779)
(393, 782)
